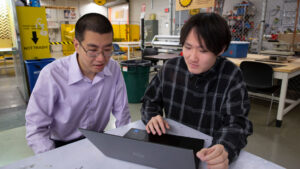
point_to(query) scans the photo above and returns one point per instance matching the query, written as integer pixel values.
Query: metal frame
(131, 45)
(284, 76)
(166, 41)
(18, 50)
(282, 110)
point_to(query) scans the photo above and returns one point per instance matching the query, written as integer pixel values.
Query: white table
(84, 155)
(283, 73)
(131, 45)
(6, 49)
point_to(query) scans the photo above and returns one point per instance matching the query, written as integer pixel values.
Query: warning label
(33, 32)
(35, 47)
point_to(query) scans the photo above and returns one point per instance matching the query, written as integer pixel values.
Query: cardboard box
(288, 37)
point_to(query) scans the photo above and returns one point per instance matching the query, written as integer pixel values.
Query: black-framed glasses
(95, 53)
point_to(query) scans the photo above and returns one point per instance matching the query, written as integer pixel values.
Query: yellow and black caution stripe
(61, 43)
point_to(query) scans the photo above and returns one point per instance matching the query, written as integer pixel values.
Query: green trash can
(136, 76)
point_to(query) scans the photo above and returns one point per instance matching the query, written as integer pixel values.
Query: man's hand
(215, 157)
(157, 125)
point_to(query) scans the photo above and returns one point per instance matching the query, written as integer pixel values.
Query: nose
(100, 57)
(194, 55)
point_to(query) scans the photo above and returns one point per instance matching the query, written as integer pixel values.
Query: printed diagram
(43, 32)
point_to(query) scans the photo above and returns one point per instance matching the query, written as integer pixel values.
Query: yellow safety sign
(68, 34)
(33, 32)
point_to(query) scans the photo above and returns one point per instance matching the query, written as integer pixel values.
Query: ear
(223, 50)
(76, 44)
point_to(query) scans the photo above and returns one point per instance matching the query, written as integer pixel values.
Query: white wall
(88, 6)
(158, 9)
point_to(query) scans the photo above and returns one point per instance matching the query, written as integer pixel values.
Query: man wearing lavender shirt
(78, 91)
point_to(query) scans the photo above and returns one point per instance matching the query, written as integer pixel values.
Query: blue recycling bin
(33, 68)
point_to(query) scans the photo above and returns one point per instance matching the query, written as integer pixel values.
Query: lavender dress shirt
(64, 100)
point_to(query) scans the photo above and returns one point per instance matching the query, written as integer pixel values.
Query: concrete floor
(279, 145)
(11, 103)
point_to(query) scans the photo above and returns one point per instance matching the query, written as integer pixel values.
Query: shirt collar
(76, 75)
(106, 71)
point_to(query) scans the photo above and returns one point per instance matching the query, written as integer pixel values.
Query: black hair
(210, 27)
(93, 22)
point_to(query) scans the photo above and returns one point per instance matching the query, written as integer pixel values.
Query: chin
(194, 71)
(97, 70)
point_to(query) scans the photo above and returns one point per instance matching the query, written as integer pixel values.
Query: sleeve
(38, 118)
(152, 103)
(236, 125)
(120, 107)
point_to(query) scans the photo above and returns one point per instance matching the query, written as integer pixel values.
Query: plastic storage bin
(35, 3)
(136, 76)
(237, 49)
(33, 68)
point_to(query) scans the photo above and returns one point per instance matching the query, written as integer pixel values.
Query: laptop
(150, 150)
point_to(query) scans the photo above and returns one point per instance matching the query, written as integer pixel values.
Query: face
(197, 58)
(94, 52)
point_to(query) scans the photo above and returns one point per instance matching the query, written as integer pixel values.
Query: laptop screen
(142, 152)
(168, 139)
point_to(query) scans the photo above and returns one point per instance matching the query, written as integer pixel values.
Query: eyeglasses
(95, 53)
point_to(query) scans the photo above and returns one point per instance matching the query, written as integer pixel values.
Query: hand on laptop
(157, 125)
(216, 157)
